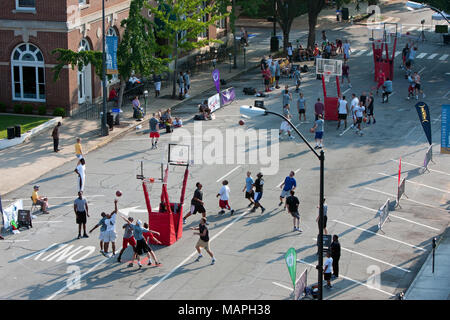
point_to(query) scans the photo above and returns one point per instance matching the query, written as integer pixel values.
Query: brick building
(31, 29)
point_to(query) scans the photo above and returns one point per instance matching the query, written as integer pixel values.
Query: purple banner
(227, 96)
(216, 78)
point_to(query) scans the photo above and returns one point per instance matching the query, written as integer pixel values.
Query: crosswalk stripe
(412, 29)
(432, 56)
(370, 53)
(360, 52)
(423, 54)
(397, 53)
(444, 57)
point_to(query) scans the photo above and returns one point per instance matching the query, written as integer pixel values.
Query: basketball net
(149, 182)
(326, 76)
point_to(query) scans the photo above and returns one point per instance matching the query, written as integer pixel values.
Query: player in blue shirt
(248, 188)
(288, 185)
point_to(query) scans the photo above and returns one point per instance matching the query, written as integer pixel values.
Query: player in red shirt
(381, 79)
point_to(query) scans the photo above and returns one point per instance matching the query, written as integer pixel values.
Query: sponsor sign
(291, 263)
(300, 286)
(216, 79)
(445, 129)
(384, 214)
(428, 157)
(111, 54)
(214, 102)
(401, 189)
(228, 96)
(424, 117)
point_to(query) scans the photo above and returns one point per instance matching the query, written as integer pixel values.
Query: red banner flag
(399, 171)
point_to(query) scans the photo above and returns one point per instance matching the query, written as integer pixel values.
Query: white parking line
(420, 56)
(228, 173)
(282, 286)
(343, 132)
(397, 53)
(360, 52)
(346, 91)
(421, 70)
(380, 235)
(417, 183)
(444, 57)
(47, 222)
(372, 258)
(370, 53)
(29, 199)
(190, 257)
(415, 165)
(432, 56)
(283, 180)
(9, 241)
(349, 279)
(394, 216)
(395, 197)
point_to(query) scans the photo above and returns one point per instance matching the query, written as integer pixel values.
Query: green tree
(314, 8)
(286, 11)
(443, 5)
(180, 22)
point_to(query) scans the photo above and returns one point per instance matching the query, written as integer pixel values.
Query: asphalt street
(360, 175)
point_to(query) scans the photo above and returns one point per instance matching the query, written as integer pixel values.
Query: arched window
(84, 45)
(28, 73)
(84, 76)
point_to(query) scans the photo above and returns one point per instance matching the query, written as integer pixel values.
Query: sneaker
(368, 122)
(157, 264)
(262, 210)
(149, 262)
(184, 221)
(423, 95)
(198, 258)
(299, 230)
(295, 229)
(85, 236)
(349, 85)
(130, 265)
(253, 210)
(417, 97)
(119, 260)
(291, 137)
(221, 211)
(250, 204)
(213, 260)
(232, 212)
(374, 121)
(316, 147)
(140, 265)
(280, 204)
(79, 236)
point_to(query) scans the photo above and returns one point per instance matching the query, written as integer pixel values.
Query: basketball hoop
(149, 182)
(327, 75)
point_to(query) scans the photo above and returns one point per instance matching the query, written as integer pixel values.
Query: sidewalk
(433, 286)
(25, 163)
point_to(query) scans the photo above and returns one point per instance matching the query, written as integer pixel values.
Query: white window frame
(20, 64)
(20, 8)
(84, 46)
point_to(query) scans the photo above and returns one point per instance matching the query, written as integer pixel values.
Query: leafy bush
(17, 108)
(59, 112)
(28, 109)
(2, 107)
(42, 110)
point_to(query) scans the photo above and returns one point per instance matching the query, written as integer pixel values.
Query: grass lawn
(26, 123)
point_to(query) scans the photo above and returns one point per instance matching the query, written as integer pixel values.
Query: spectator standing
(203, 242)
(346, 74)
(387, 86)
(342, 112)
(78, 149)
(55, 136)
(277, 74)
(187, 83)
(154, 130)
(157, 81)
(325, 217)
(113, 95)
(318, 109)
(369, 111)
(335, 255)
(301, 106)
(273, 69)
(81, 209)
(39, 201)
(181, 85)
(81, 172)
(137, 110)
(290, 52)
(318, 129)
(328, 270)
(347, 50)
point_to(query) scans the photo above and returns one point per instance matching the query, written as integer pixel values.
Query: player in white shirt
(359, 110)
(354, 103)
(342, 111)
(224, 194)
(81, 172)
(328, 270)
(285, 128)
(110, 234)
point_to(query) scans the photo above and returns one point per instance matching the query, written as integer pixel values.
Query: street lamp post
(229, 55)
(145, 99)
(245, 60)
(234, 35)
(253, 111)
(105, 130)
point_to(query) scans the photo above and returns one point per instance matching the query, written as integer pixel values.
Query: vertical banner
(300, 286)
(216, 79)
(399, 171)
(445, 129)
(424, 117)
(111, 54)
(291, 262)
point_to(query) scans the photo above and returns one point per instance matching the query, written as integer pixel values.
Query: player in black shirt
(203, 242)
(292, 204)
(197, 204)
(259, 184)
(335, 254)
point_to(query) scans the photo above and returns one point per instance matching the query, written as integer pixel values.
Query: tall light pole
(104, 130)
(253, 111)
(233, 9)
(411, 5)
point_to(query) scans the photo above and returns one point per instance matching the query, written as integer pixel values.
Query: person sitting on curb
(205, 110)
(39, 201)
(177, 122)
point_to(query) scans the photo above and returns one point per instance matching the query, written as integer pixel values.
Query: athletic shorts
(158, 86)
(110, 236)
(202, 244)
(81, 217)
(249, 195)
(223, 204)
(344, 76)
(79, 156)
(142, 247)
(101, 237)
(298, 82)
(319, 135)
(284, 193)
(370, 111)
(277, 78)
(295, 214)
(197, 208)
(301, 111)
(327, 276)
(266, 81)
(325, 219)
(358, 120)
(417, 86)
(342, 116)
(154, 134)
(258, 196)
(346, 55)
(130, 241)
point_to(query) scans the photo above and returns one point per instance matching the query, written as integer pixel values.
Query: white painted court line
(372, 258)
(445, 96)
(444, 57)
(394, 216)
(349, 279)
(190, 257)
(283, 180)
(12, 241)
(412, 29)
(346, 91)
(413, 182)
(47, 222)
(421, 70)
(343, 132)
(420, 56)
(282, 286)
(370, 53)
(29, 199)
(432, 56)
(360, 52)
(397, 53)
(380, 235)
(395, 197)
(228, 173)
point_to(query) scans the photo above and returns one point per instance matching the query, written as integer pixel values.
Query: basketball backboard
(329, 67)
(384, 32)
(178, 154)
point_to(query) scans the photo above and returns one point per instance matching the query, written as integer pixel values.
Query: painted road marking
(46, 222)
(432, 56)
(360, 52)
(279, 185)
(370, 53)
(420, 56)
(393, 215)
(421, 70)
(407, 199)
(282, 286)
(12, 241)
(380, 235)
(190, 257)
(420, 184)
(372, 258)
(29, 199)
(415, 165)
(343, 132)
(444, 57)
(349, 279)
(397, 53)
(221, 178)
(346, 91)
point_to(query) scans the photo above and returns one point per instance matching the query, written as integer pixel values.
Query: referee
(81, 209)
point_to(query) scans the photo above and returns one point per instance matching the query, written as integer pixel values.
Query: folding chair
(33, 206)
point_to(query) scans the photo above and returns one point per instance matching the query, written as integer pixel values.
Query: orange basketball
(241, 122)
(152, 179)
(364, 119)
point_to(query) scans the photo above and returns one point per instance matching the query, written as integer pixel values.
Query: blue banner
(111, 55)
(445, 128)
(425, 120)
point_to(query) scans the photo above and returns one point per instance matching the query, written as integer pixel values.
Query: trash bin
(274, 45)
(110, 120)
(116, 113)
(17, 131)
(10, 132)
(344, 13)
